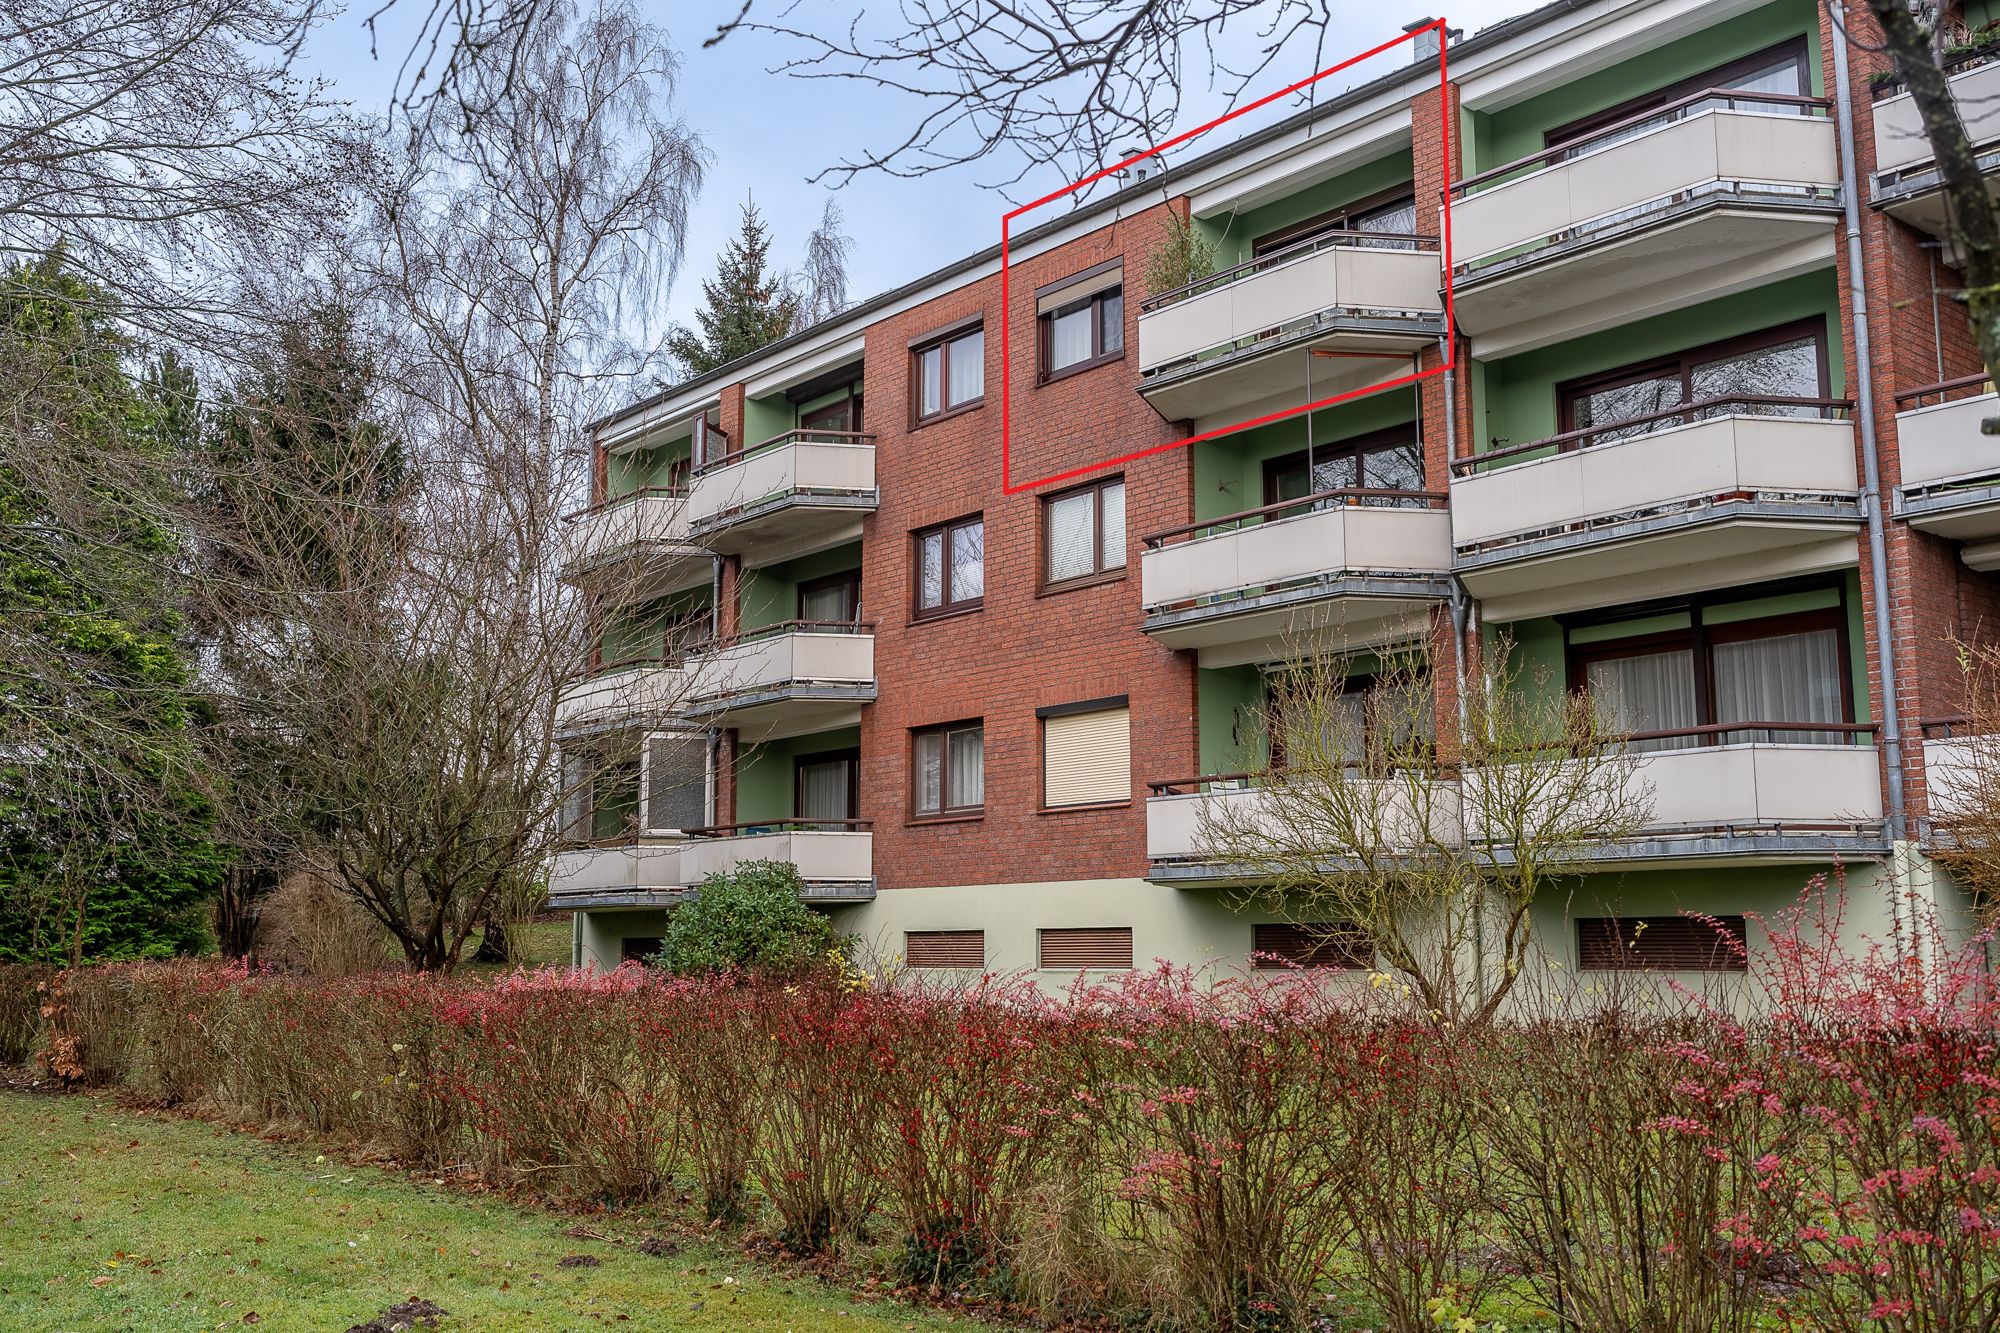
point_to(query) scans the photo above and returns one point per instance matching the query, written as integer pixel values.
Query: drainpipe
(1463, 612)
(1871, 495)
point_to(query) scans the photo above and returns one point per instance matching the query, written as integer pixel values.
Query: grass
(116, 1219)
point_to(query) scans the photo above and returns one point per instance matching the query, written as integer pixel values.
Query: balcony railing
(649, 684)
(644, 524)
(1900, 141)
(1939, 431)
(835, 857)
(794, 493)
(1687, 457)
(784, 441)
(1312, 537)
(620, 872)
(1270, 259)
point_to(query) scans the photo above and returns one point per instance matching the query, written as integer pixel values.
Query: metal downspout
(1871, 496)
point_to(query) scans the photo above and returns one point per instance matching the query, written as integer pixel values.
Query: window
(1086, 753)
(1784, 362)
(949, 770)
(833, 600)
(842, 415)
(951, 567)
(1663, 943)
(638, 948)
(601, 791)
(1083, 532)
(950, 373)
(1093, 948)
(829, 787)
(1721, 668)
(1080, 320)
(1384, 460)
(945, 948)
(1778, 69)
(1393, 212)
(675, 782)
(1281, 945)
(1353, 721)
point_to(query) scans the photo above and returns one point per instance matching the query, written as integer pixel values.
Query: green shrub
(749, 918)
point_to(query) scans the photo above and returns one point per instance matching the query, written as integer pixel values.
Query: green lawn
(117, 1219)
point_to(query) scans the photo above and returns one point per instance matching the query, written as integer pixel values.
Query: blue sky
(769, 133)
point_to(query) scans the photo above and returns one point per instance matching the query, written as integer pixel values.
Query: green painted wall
(766, 418)
(1232, 233)
(770, 595)
(767, 776)
(625, 473)
(1229, 470)
(1227, 699)
(1516, 131)
(637, 631)
(1538, 643)
(1514, 400)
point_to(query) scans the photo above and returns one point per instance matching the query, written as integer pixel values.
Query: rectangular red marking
(1009, 486)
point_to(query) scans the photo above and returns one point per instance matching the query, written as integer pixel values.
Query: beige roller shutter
(1096, 948)
(1087, 758)
(1087, 283)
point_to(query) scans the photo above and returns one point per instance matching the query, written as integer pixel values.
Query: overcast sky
(769, 133)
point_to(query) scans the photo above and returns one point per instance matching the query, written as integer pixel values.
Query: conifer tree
(748, 305)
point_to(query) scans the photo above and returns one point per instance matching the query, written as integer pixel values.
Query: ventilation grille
(945, 948)
(1098, 948)
(1660, 943)
(1279, 945)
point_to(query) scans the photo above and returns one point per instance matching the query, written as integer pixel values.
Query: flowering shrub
(1170, 1148)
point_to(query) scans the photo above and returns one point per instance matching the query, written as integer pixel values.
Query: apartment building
(1708, 447)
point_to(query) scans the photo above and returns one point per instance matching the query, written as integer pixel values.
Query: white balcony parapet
(1351, 275)
(1960, 771)
(1752, 147)
(643, 522)
(802, 486)
(1693, 455)
(1950, 469)
(630, 874)
(646, 687)
(786, 679)
(1900, 142)
(835, 858)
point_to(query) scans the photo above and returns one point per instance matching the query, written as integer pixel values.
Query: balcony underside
(1270, 372)
(1337, 613)
(616, 900)
(1677, 252)
(1916, 197)
(786, 526)
(1966, 513)
(1662, 555)
(774, 712)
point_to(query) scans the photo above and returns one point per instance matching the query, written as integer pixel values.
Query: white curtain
(1069, 337)
(968, 768)
(1070, 535)
(930, 773)
(968, 368)
(823, 790)
(1650, 693)
(1112, 555)
(1785, 678)
(931, 373)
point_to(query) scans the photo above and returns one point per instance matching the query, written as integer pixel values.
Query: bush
(751, 918)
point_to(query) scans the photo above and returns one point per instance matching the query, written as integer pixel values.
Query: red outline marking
(1009, 487)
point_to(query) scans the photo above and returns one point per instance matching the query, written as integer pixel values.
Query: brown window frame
(1045, 336)
(1570, 392)
(850, 578)
(1583, 127)
(942, 342)
(1100, 572)
(848, 408)
(1331, 945)
(1357, 447)
(1606, 943)
(947, 607)
(1334, 219)
(946, 811)
(1700, 638)
(851, 754)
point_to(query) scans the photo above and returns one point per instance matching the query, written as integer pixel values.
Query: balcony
(631, 874)
(1716, 193)
(638, 544)
(801, 492)
(622, 692)
(1343, 569)
(786, 679)
(1742, 800)
(1906, 179)
(1950, 482)
(835, 858)
(1232, 345)
(1724, 491)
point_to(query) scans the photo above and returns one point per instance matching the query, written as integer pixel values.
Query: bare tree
(1963, 783)
(1434, 853)
(821, 282)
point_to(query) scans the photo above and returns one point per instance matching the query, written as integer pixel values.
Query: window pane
(676, 782)
(1072, 536)
(967, 777)
(1111, 321)
(968, 562)
(968, 368)
(1623, 402)
(1399, 219)
(1653, 692)
(823, 789)
(1111, 554)
(929, 776)
(1397, 468)
(832, 603)
(1069, 336)
(930, 570)
(931, 368)
(1785, 678)
(1787, 370)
